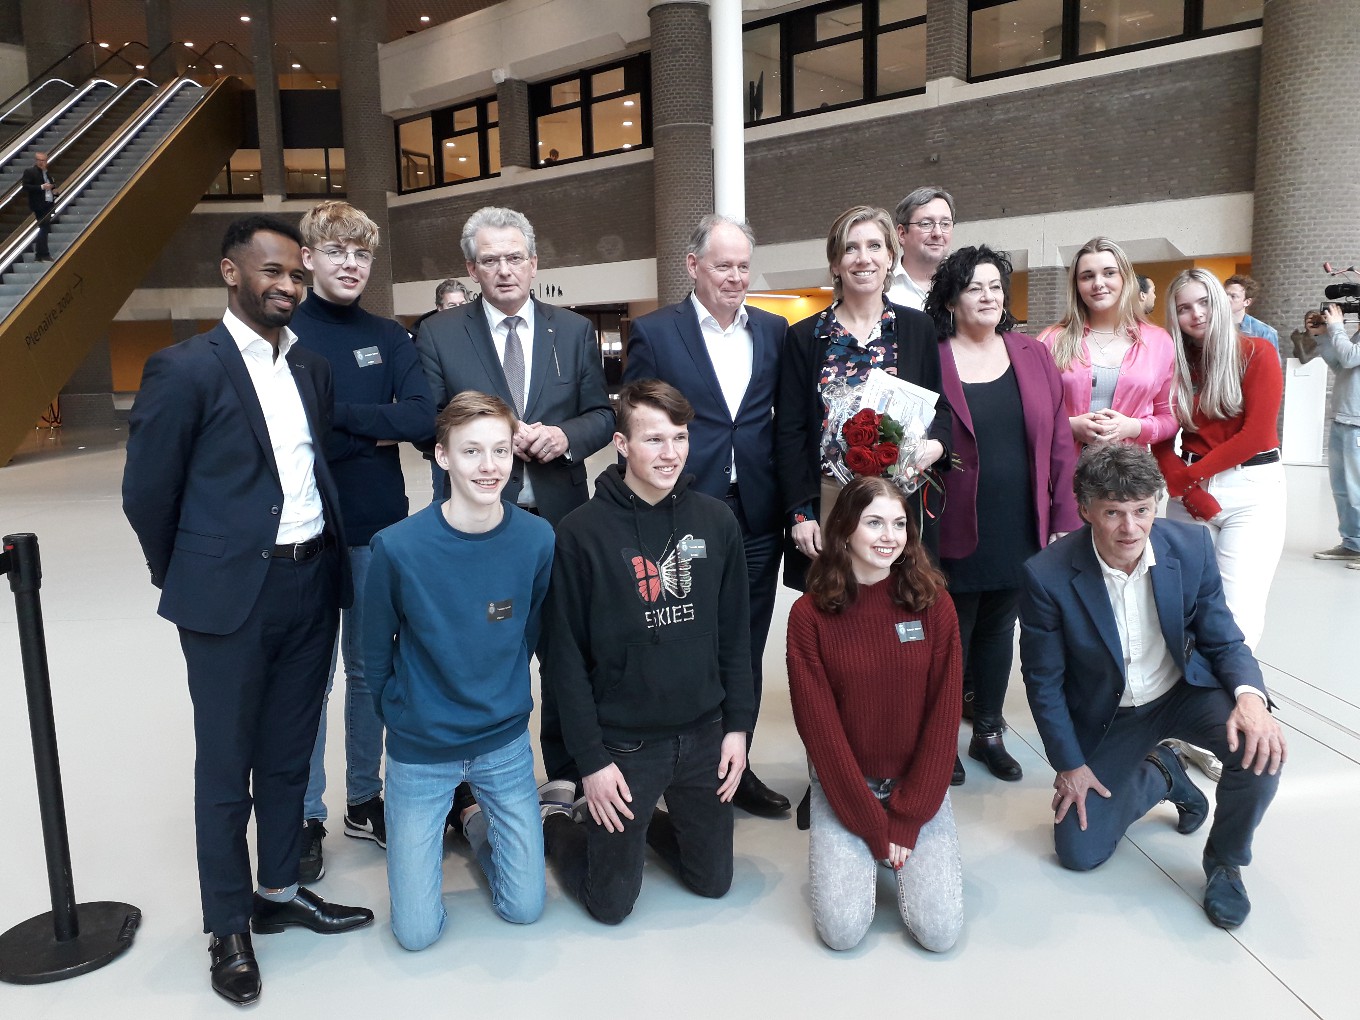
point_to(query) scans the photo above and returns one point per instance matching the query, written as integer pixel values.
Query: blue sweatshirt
(449, 622)
(380, 393)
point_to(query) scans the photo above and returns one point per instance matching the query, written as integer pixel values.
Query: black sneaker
(310, 865)
(365, 821)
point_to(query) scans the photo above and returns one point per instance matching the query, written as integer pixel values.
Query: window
(309, 172)
(833, 55)
(240, 178)
(1007, 36)
(449, 146)
(595, 112)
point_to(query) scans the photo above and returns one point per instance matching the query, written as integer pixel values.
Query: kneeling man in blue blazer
(1125, 641)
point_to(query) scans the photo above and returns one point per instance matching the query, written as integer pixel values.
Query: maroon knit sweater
(869, 705)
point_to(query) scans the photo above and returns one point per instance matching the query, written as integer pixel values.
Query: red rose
(887, 454)
(861, 460)
(859, 434)
(867, 415)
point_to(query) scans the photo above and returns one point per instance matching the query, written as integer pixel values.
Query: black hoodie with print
(647, 624)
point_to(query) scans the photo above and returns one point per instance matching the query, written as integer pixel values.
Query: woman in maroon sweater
(875, 678)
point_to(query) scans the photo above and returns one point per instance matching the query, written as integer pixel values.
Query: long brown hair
(915, 581)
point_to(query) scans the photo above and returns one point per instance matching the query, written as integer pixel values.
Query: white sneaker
(556, 798)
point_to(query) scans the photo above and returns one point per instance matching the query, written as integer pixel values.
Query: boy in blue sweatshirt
(451, 617)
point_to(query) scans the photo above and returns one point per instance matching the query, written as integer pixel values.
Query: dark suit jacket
(667, 344)
(1048, 437)
(566, 389)
(201, 488)
(32, 181)
(1069, 645)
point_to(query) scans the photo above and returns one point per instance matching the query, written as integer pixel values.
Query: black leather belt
(301, 552)
(1269, 457)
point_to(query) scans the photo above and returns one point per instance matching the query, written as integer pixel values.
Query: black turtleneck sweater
(380, 393)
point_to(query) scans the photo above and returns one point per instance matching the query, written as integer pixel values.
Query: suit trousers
(1193, 714)
(257, 703)
(762, 575)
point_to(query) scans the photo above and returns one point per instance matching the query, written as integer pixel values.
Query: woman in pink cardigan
(1117, 368)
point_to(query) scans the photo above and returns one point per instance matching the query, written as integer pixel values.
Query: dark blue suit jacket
(1069, 645)
(201, 488)
(668, 345)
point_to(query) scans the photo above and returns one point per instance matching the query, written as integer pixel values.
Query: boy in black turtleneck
(647, 632)
(381, 398)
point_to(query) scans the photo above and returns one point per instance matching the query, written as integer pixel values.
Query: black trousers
(44, 220)
(987, 632)
(763, 551)
(257, 704)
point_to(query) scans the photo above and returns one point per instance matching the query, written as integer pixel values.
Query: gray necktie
(514, 362)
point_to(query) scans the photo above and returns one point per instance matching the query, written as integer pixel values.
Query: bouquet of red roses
(872, 443)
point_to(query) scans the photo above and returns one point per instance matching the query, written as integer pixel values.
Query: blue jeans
(1343, 464)
(506, 838)
(363, 728)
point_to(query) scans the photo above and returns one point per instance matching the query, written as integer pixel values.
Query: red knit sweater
(869, 705)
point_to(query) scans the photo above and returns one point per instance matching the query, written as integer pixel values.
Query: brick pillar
(1047, 297)
(946, 39)
(682, 137)
(50, 30)
(158, 39)
(267, 115)
(512, 105)
(369, 159)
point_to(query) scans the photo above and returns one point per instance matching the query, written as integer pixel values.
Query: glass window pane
(245, 172)
(828, 76)
(304, 172)
(760, 60)
(891, 11)
(219, 186)
(565, 92)
(614, 125)
(1019, 34)
(559, 136)
(337, 163)
(605, 82)
(493, 150)
(1218, 13)
(493, 112)
(415, 155)
(462, 159)
(902, 60)
(1111, 24)
(465, 119)
(841, 21)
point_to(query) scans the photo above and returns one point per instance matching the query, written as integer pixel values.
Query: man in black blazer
(42, 197)
(1126, 640)
(238, 517)
(724, 357)
(553, 377)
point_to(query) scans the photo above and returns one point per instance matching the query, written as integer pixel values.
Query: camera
(1346, 295)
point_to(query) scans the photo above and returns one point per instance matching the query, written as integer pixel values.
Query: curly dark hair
(240, 232)
(916, 582)
(1117, 471)
(952, 277)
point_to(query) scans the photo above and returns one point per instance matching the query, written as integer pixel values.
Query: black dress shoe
(1191, 804)
(990, 749)
(235, 974)
(307, 910)
(754, 797)
(1225, 898)
(959, 776)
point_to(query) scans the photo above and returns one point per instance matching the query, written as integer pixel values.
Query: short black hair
(241, 231)
(1118, 471)
(1144, 283)
(952, 277)
(650, 393)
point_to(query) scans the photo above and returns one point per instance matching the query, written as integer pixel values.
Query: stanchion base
(31, 955)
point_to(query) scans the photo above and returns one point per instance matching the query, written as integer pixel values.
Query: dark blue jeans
(604, 869)
(1196, 715)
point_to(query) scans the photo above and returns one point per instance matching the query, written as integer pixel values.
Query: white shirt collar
(707, 318)
(245, 336)
(494, 316)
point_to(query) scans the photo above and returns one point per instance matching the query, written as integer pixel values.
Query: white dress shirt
(301, 517)
(495, 319)
(731, 351)
(905, 291)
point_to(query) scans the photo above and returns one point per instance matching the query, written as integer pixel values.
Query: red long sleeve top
(871, 705)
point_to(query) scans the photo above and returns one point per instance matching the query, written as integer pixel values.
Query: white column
(729, 152)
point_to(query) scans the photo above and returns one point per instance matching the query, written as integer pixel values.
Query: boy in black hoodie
(647, 651)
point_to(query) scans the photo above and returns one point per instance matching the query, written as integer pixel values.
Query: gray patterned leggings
(844, 878)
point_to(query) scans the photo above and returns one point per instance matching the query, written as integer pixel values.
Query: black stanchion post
(56, 944)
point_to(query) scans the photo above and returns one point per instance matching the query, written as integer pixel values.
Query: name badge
(910, 631)
(692, 548)
(366, 356)
(500, 610)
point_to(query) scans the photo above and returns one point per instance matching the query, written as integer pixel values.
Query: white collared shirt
(495, 319)
(290, 434)
(905, 291)
(732, 351)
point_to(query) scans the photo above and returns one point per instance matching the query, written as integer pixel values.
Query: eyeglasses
(928, 226)
(362, 257)
(492, 262)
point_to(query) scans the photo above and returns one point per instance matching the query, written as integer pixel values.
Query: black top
(1005, 504)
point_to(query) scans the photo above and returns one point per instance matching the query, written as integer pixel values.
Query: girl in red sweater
(875, 680)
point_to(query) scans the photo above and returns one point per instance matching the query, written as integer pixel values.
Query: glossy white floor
(1123, 941)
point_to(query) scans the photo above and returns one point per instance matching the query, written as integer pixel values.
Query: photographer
(1342, 355)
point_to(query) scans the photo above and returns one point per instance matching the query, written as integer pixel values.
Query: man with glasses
(381, 399)
(925, 227)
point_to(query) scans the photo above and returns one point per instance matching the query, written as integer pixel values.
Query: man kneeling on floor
(451, 616)
(1126, 640)
(647, 650)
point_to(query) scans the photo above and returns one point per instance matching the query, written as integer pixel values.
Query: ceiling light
(188, 44)
(425, 18)
(627, 123)
(218, 66)
(627, 145)
(462, 159)
(141, 67)
(103, 46)
(297, 67)
(245, 17)
(332, 17)
(451, 145)
(628, 102)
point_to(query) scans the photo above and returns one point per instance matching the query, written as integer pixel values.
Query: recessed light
(218, 66)
(425, 18)
(141, 67)
(628, 102)
(332, 17)
(245, 17)
(297, 67)
(627, 145)
(188, 44)
(462, 159)
(103, 46)
(627, 123)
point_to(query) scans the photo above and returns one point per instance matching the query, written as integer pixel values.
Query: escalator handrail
(26, 97)
(26, 136)
(32, 82)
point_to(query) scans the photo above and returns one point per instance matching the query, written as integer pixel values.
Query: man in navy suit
(1125, 641)
(724, 357)
(237, 515)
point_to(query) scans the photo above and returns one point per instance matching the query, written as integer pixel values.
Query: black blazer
(667, 344)
(798, 417)
(32, 181)
(201, 488)
(566, 389)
